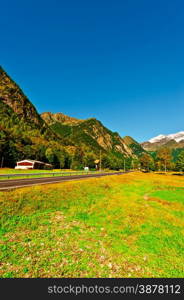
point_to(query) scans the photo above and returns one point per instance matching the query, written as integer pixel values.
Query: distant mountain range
(172, 141)
(26, 134)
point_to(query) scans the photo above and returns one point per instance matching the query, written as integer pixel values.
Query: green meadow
(118, 226)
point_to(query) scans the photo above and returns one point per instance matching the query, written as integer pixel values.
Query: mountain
(50, 119)
(91, 134)
(171, 141)
(135, 147)
(56, 138)
(23, 133)
(12, 96)
(178, 137)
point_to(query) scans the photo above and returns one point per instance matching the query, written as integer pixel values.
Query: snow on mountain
(157, 138)
(178, 137)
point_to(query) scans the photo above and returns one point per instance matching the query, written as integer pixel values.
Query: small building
(28, 164)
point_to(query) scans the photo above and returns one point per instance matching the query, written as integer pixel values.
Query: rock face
(134, 146)
(50, 119)
(13, 96)
(89, 132)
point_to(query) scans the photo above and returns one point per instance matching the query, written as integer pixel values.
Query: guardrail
(50, 173)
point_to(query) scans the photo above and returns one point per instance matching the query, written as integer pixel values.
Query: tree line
(76, 157)
(162, 160)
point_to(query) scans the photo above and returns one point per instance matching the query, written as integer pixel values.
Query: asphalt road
(9, 184)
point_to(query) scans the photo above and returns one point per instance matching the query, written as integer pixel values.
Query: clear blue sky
(119, 61)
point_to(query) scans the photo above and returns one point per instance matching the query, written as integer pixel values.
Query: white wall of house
(23, 167)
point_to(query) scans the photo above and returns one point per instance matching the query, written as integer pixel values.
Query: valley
(103, 223)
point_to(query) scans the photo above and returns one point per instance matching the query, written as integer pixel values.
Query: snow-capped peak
(157, 138)
(178, 137)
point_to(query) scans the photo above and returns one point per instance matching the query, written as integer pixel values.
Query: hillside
(135, 147)
(59, 117)
(23, 133)
(13, 96)
(55, 138)
(91, 133)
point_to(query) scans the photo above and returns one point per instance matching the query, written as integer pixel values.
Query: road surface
(18, 183)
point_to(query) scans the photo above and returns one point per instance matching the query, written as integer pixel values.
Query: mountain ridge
(54, 137)
(88, 128)
(172, 141)
(13, 96)
(51, 118)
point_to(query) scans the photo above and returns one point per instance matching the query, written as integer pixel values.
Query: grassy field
(15, 171)
(119, 226)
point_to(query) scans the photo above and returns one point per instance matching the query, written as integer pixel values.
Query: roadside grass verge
(15, 171)
(42, 175)
(35, 173)
(119, 226)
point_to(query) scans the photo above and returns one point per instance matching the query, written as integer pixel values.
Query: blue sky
(119, 61)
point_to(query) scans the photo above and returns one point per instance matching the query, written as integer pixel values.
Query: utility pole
(100, 160)
(2, 160)
(72, 154)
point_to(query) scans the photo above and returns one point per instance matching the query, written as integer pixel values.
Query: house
(32, 164)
